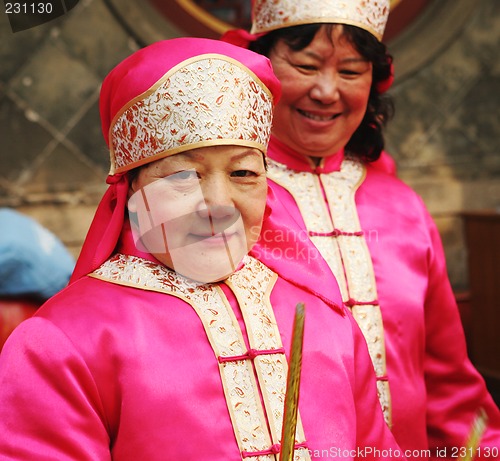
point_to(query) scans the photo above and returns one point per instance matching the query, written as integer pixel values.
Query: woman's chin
(210, 274)
(207, 266)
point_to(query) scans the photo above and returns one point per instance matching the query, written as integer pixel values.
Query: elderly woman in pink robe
(172, 339)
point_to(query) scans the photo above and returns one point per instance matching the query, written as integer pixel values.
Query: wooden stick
(292, 387)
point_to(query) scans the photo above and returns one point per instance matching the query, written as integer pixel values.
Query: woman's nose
(325, 89)
(217, 200)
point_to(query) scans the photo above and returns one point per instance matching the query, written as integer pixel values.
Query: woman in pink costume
(171, 341)
(328, 167)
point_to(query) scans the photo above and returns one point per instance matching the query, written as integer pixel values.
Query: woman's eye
(349, 72)
(183, 175)
(306, 67)
(242, 173)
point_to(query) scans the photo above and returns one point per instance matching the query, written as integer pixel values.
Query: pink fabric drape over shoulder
(111, 372)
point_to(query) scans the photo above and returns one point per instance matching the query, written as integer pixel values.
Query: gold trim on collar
(245, 374)
(334, 228)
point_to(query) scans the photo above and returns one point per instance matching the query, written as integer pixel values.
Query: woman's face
(325, 91)
(199, 212)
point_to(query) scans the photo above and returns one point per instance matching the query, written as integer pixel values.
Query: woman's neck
(316, 160)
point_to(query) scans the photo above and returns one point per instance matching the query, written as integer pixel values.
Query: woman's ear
(131, 201)
(268, 209)
(132, 189)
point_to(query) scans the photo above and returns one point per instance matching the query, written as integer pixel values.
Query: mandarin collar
(281, 153)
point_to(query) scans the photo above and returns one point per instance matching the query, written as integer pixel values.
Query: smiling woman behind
(171, 341)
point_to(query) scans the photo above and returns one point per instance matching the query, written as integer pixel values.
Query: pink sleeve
(49, 404)
(373, 435)
(456, 391)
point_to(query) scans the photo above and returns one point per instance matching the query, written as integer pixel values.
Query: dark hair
(367, 142)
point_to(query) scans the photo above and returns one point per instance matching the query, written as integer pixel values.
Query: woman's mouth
(219, 238)
(318, 117)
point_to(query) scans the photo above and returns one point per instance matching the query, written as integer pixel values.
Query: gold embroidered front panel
(263, 334)
(252, 285)
(334, 228)
(306, 190)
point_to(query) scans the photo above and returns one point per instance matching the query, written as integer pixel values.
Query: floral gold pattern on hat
(203, 101)
(371, 15)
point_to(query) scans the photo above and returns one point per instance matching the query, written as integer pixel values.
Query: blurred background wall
(444, 138)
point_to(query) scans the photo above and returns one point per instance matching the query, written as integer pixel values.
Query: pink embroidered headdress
(370, 15)
(154, 108)
(270, 15)
(182, 94)
(171, 96)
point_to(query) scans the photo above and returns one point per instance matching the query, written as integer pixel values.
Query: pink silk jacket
(135, 362)
(386, 254)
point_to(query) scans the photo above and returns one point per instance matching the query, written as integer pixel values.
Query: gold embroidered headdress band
(187, 99)
(370, 15)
